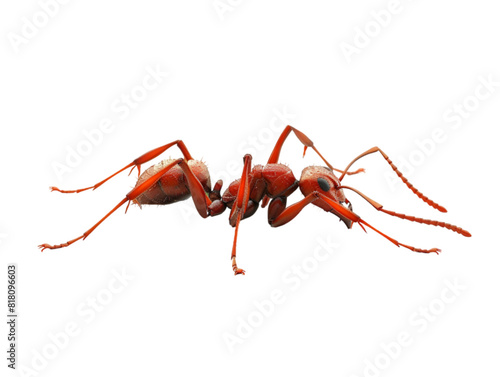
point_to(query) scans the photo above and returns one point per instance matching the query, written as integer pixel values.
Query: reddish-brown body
(172, 180)
(275, 181)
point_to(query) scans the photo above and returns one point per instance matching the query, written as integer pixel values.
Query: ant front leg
(279, 215)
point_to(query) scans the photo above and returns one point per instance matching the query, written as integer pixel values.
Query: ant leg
(278, 214)
(378, 207)
(215, 193)
(239, 207)
(200, 197)
(355, 218)
(133, 194)
(290, 212)
(400, 175)
(136, 163)
(273, 159)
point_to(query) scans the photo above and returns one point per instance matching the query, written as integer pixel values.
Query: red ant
(171, 181)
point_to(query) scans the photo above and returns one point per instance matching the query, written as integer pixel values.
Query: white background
(230, 71)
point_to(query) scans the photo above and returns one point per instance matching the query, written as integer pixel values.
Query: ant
(173, 180)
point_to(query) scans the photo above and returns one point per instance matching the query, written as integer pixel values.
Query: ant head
(323, 180)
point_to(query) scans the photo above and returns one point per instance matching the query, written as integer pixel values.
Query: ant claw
(238, 271)
(44, 246)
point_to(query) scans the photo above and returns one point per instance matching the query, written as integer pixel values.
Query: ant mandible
(171, 181)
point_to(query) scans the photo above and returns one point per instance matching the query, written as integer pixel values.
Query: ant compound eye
(323, 184)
